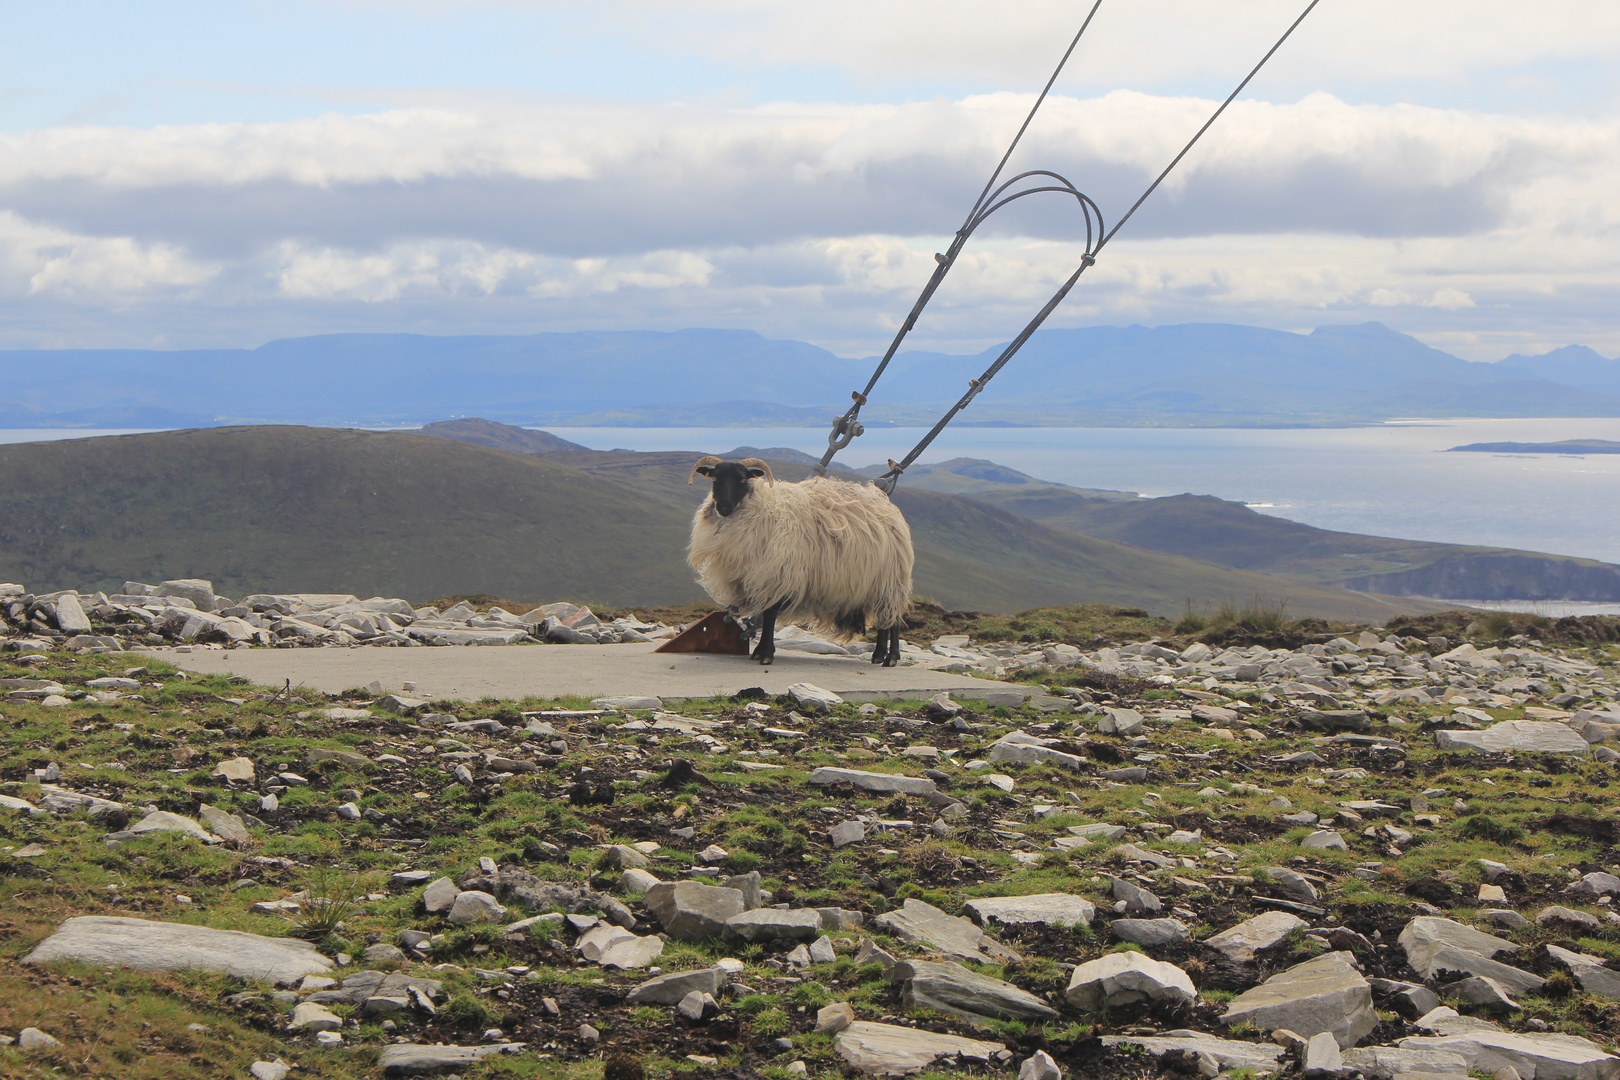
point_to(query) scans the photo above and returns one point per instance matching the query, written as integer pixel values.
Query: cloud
(816, 221)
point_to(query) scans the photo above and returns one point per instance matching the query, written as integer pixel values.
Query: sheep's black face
(730, 484)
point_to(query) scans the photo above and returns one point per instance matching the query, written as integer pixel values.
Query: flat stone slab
(1227, 1053)
(1050, 909)
(881, 783)
(956, 938)
(405, 1059)
(891, 1050)
(1241, 942)
(1532, 1056)
(1521, 736)
(967, 995)
(769, 924)
(589, 671)
(1327, 993)
(160, 946)
(1426, 933)
(1384, 1062)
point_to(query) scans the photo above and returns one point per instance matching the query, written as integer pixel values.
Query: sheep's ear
(756, 473)
(705, 471)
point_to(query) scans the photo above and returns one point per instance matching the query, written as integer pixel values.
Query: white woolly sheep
(833, 554)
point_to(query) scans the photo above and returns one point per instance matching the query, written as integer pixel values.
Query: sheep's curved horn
(710, 460)
(756, 463)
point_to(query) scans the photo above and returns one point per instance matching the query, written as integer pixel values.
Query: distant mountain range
(1193, 374)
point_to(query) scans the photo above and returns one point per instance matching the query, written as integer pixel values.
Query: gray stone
(890, 1050)
(1325, 839)
(224, 824)
(237, 770)
(1134, 897)
(632, 952)
(1327, 993)
(159, 946)
(439, 895)
(1149, 932)
(1480, 990)
(967, 995)
(1040, 1066)
(631, 704)
(1123, 722)
(1386, 1062)
(1322, 1057)
(382, 952)
(697, 1006)
(770, 924)
(1220, 1054)
(1426, 933)
(1292, 884)
(1017, 748)
(1050, 909)
(955, 937)
(881, 783)
(1555, 915)
(475, 906)
(835, 1017)
(406, 1059)
(1589, 972)
(689, 911)
(308, 1016)
(750, 885)
(70, 616)
(1533, 1056)
(1515, 736)
(269, 1070)
(636, 880)
(845, 833)
(814, 698)
(1595, 884)
(597, 940)
(1241, 942)
(1124, 978)
(1451, 958)
(199, 591)
(1505, 918)
(30, 1039)
(163, 821)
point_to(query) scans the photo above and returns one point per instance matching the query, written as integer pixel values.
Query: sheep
(830, 553)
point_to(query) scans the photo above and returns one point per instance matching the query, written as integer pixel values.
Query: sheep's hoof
(764, 657)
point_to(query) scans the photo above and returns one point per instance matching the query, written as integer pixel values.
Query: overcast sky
(179, 174)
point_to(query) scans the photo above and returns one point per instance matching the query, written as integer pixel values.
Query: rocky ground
(1230, 850)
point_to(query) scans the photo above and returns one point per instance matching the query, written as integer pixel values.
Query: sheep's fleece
(839, 552)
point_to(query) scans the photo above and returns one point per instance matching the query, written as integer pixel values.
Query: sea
(1389, 479)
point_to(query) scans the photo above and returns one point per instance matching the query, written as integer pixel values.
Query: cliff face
(1498, 577)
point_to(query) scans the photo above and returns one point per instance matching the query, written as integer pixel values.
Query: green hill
(322, 509)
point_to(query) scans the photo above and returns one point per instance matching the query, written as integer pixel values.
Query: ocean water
(1389, 479)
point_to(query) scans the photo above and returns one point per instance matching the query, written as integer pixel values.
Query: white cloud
(36, 260)
(820, 221)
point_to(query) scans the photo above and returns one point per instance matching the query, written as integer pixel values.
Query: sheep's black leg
(887, 652)
(765, 651)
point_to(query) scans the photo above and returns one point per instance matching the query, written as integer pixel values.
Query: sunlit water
(1387, 480)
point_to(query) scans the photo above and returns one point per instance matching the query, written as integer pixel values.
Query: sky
(180, 174)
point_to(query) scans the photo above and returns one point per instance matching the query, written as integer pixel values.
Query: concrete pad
(547, 671)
